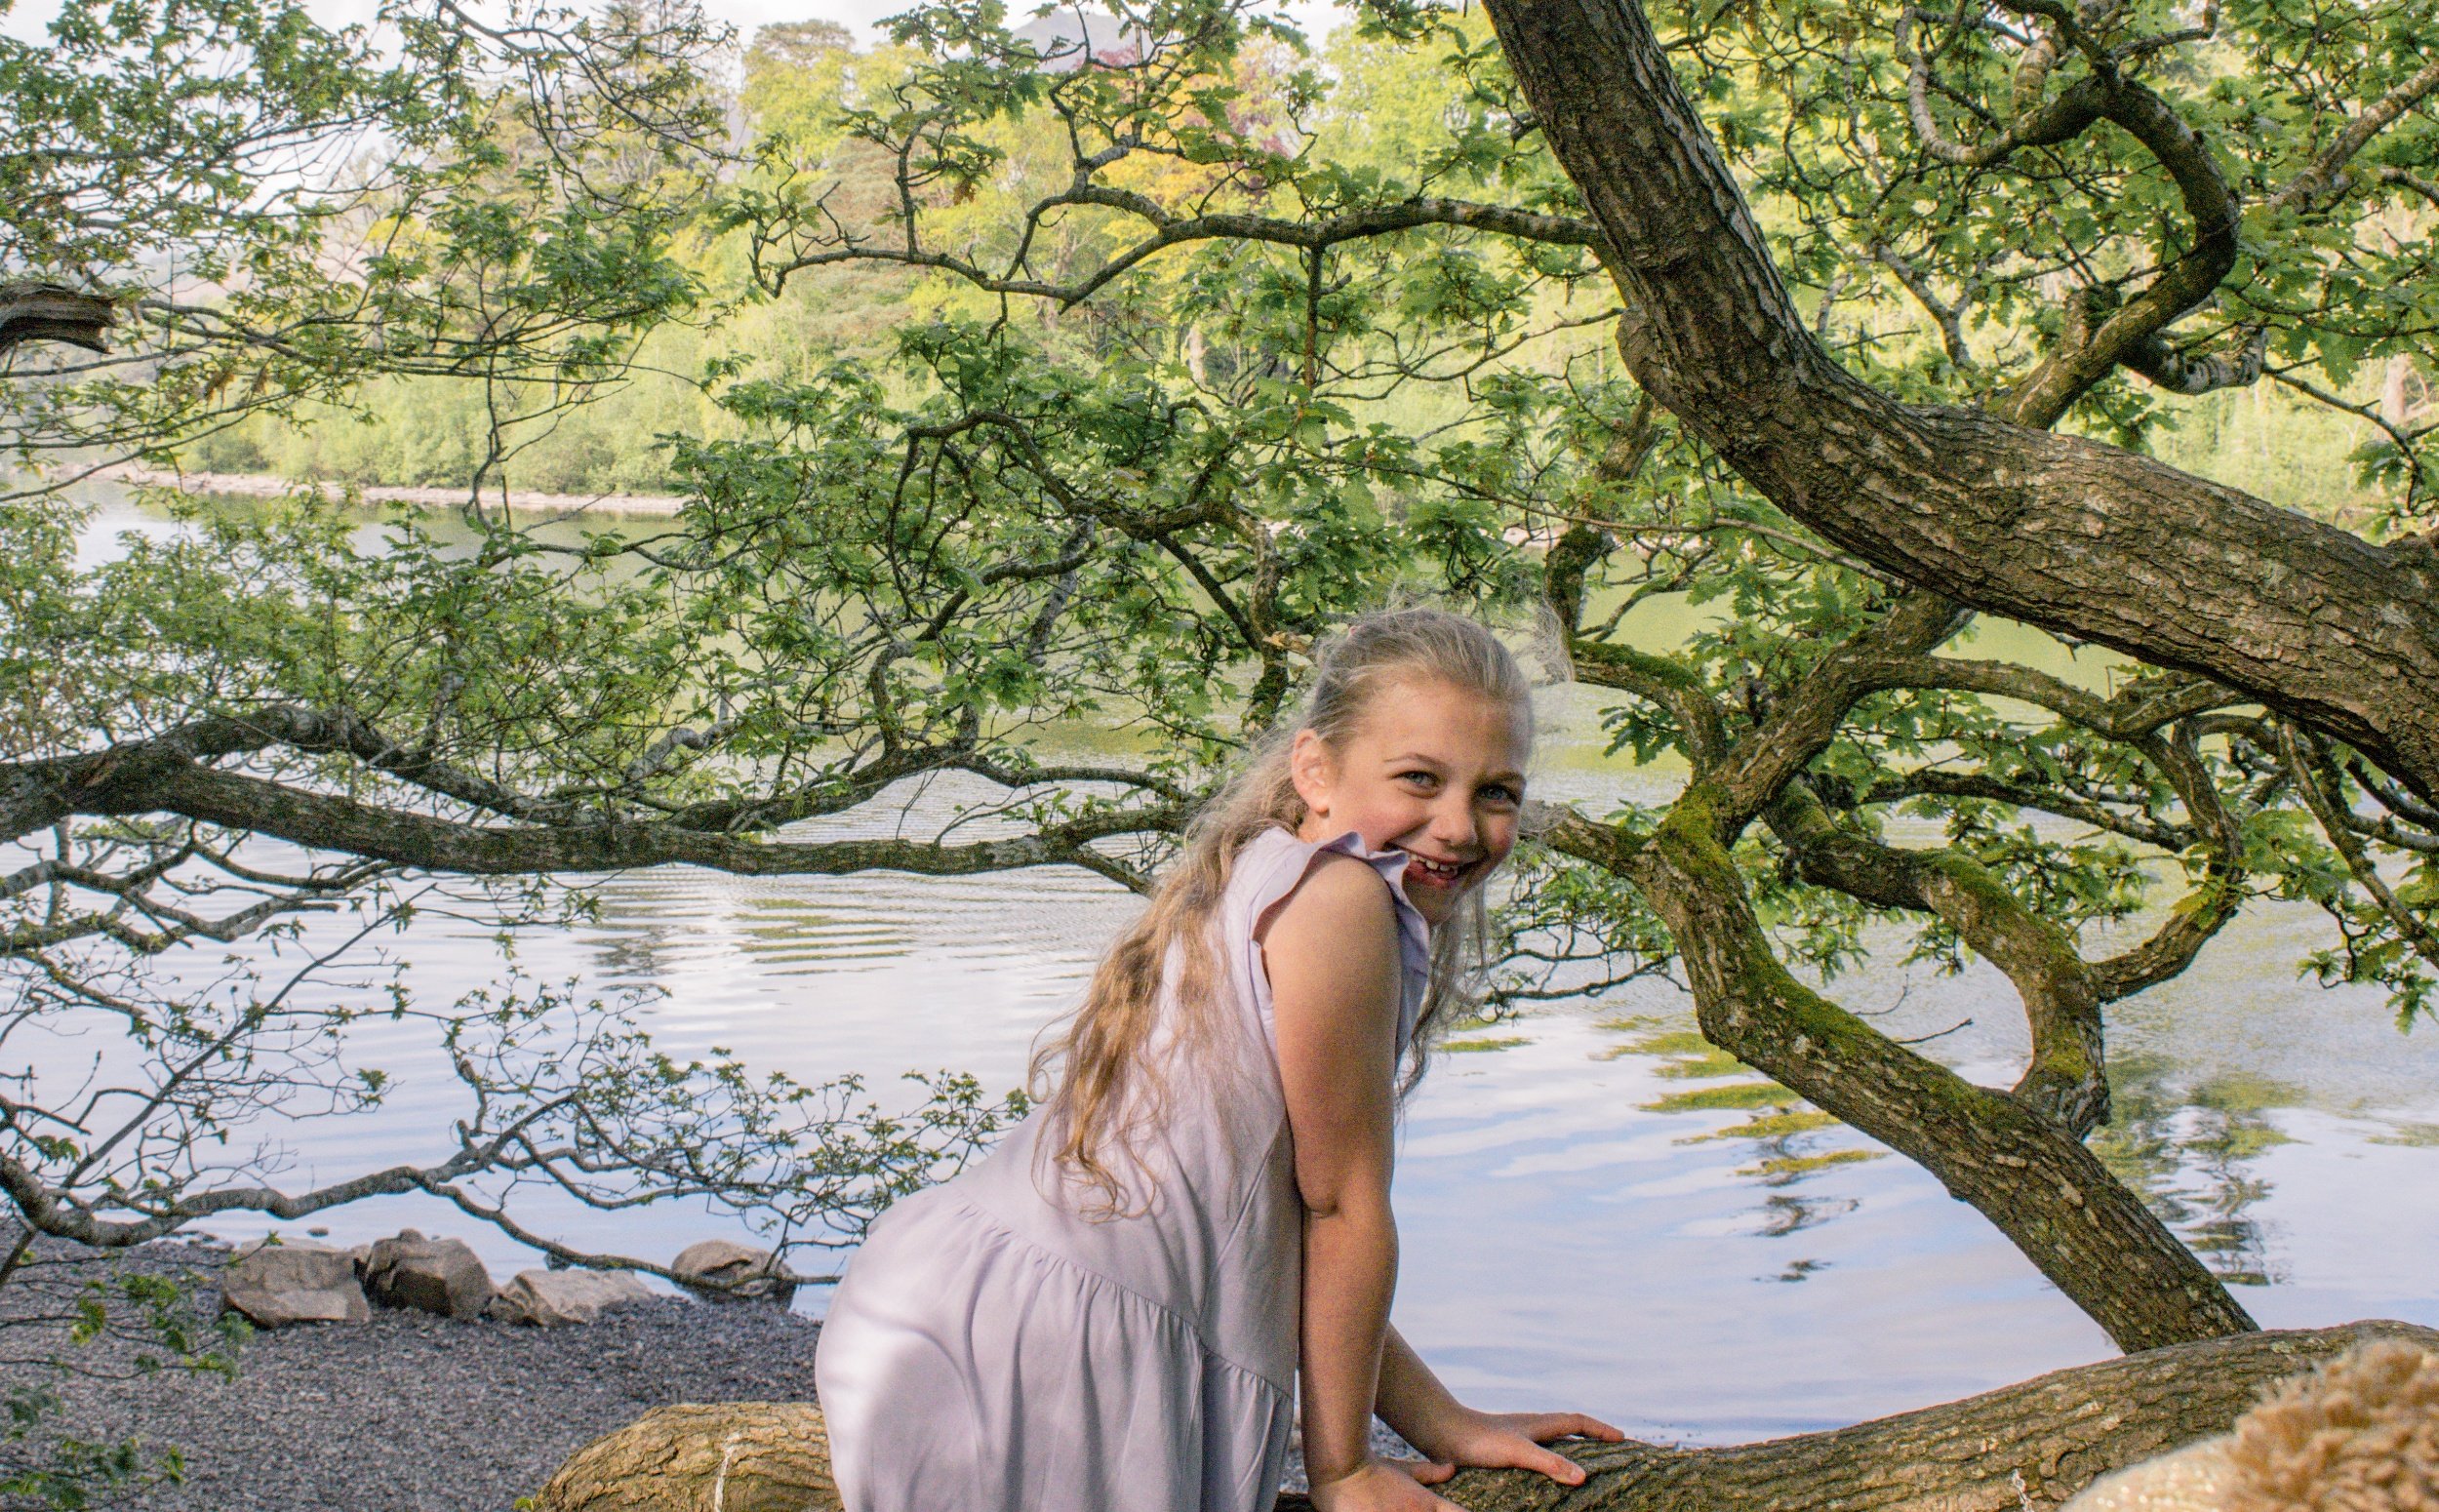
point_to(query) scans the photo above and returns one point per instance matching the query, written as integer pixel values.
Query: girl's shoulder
(1272, 866)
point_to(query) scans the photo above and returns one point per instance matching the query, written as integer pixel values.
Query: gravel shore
(404, 1414)
(407, 1413)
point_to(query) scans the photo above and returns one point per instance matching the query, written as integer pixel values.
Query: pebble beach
(406, 1413)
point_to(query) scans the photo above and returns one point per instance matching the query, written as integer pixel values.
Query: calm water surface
(1592, 1215)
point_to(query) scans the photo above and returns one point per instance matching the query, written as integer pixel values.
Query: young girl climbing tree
(1113, 1310)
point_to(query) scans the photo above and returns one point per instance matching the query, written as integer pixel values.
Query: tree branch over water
(2045, 528)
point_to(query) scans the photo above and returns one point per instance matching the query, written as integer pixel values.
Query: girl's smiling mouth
(1434, 872)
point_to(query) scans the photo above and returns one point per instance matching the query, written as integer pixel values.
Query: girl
(1108, 1313)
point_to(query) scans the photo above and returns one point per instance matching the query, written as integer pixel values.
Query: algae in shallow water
(1786, 1168)
(1786, 1123)
(2421, 1137)
(1740, 1094)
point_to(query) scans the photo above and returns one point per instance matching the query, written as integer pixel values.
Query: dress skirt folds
(996, 1347)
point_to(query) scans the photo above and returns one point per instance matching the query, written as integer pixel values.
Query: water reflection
(1790, 1141)
(2193, 1151)
(1782, 1213)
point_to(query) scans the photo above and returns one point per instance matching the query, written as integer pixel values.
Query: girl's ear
(1313, 767)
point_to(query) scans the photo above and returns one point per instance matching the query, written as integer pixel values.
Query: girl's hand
(1386, 1486)
(1503, 1441)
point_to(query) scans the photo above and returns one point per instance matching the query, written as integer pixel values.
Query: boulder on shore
(275, 1284)
(739, 1273)
(549, 1299)
(439, 1276)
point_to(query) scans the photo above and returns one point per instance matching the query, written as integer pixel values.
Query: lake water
(1577, 1232)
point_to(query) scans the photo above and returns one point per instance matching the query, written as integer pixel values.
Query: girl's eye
(1425, 778)
(1499, 792)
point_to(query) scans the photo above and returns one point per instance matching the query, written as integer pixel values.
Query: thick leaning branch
(2023, 1170)
(2026, 1446)
(2065, 1078)
(2215, 901)
(2132, 332)
(325, 821)
(1808, 717)
(2061, 993)
(175, 774)
(2058, 532)
(50, 312)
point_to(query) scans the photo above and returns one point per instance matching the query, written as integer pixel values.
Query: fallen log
(2029, 1446)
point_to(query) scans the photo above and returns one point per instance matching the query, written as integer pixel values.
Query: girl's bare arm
(1427, 1416)
(1331, 953)
(1411, 1398)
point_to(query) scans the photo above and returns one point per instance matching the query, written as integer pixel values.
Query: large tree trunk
(2020, 1168)
(2060, 532)
(2024, 1447)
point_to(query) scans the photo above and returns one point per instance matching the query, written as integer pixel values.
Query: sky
(28, 19)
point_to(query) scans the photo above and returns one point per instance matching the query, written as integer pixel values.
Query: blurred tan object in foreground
(2360, 1434)
(733, 1456)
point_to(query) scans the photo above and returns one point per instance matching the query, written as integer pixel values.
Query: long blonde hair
(1106, 1097)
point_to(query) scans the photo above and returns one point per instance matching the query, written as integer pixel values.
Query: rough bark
(2062, 533)
(2013, 1155)
(332, 823)
(2023, 1446)
(2066, 1080)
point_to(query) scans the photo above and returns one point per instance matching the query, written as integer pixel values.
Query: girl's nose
(1454, 827)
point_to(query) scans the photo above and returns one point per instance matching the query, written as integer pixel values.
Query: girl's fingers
(1510, 1448)
(1558, 1467)
(1559, 1425)
(1424, 1471)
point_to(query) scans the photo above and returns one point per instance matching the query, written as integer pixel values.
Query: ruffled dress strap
(1270, 866)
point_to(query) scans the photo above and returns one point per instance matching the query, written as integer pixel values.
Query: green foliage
(502, 206)
(1812, 103)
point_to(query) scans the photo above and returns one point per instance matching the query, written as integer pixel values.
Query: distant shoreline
(264, 485)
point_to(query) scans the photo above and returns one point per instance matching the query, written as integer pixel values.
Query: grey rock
(408, 1412)
(438, 1276)
(275, 1285)
(549, 1298)
(750, 1275)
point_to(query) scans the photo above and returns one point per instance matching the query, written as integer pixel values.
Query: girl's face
(1434, 770)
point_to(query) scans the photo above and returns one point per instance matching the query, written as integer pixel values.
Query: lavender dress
(992, 1350)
